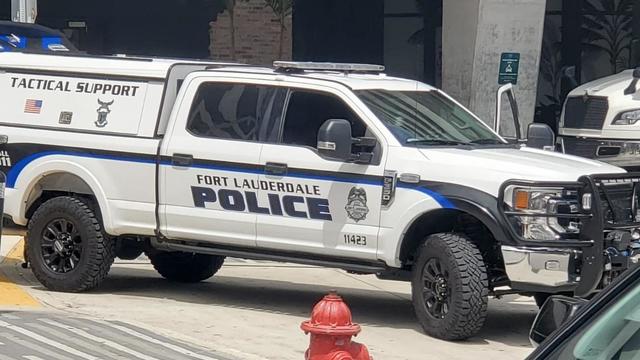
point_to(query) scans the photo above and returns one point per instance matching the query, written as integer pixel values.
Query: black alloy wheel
(61, 245)
(437, 292)
(66, 246)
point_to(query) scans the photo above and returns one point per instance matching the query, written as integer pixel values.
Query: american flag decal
(33, 106)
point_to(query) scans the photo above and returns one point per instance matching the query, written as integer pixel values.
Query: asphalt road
(45, 336)
(253, 310)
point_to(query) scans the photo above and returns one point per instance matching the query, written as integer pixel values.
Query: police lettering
(81, 87)
(289, 205)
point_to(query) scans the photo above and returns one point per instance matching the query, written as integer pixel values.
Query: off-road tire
(185, 267)
(466, 278)
(97, 249)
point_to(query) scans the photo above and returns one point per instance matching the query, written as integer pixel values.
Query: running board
(261, 254)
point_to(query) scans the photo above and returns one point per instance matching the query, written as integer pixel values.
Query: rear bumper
(542, 269)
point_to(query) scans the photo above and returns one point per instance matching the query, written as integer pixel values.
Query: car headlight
(533, 211)
(627, 117)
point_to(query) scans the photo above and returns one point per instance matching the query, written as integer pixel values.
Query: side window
(308, 110)
(237, 112)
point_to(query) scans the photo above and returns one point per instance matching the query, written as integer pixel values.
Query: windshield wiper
(487, 142)
(436, 142)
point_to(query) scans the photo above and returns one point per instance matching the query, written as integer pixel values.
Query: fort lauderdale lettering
(293, 203)
(266, 185)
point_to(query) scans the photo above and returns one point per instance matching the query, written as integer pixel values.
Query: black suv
(32, 38)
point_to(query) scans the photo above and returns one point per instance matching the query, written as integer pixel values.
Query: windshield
(427, 118)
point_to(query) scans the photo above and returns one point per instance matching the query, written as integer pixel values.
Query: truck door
(211, 162)
(319, 206)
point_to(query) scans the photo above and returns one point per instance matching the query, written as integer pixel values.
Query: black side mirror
(633, 87)
(335, 142)
(553, 314)
(540, 136)
(334, 139)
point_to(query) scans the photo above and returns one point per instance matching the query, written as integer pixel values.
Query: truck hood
(614, 84)
(487, 169)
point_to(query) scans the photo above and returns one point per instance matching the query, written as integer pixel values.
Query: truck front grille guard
(607, 213)
(618, 197)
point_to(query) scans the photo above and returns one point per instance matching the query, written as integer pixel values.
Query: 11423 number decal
(359, 240)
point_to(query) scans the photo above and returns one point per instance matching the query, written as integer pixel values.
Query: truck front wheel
(185, 267)
(66, 246)
(450, 287)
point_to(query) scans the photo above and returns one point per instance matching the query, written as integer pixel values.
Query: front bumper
(542, 269)
(582, 262)
(618, 152)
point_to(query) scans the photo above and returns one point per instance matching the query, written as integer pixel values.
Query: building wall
(5, 10)
(257, 35)
(459, 48)
(339, 31)
(175, 28)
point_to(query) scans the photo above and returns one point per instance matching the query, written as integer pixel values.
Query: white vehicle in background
(601, 120)
(334, 165)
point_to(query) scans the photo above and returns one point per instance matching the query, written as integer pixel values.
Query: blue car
(32, 38)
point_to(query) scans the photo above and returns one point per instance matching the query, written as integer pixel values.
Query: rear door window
(245, 112)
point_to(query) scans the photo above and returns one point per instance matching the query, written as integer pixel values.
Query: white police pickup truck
(334, 165)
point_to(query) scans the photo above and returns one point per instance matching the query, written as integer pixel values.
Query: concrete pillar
(24, 10)
(475, 34)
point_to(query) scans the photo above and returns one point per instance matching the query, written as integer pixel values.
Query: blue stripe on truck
(15, 170)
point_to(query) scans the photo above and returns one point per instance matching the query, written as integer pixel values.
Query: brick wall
(257, 34)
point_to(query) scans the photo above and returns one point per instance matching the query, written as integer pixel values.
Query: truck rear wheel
(186, 267)
(450, 287)
(66, 246)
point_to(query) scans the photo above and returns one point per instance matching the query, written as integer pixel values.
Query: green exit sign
(509, 66)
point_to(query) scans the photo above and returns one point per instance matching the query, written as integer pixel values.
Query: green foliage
(282, 8)
(606, 28)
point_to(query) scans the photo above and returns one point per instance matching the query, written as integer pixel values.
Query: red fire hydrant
(331, 329)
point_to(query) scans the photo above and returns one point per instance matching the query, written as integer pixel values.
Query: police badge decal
(356, 207)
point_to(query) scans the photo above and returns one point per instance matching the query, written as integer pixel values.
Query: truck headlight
(533, 210)
(627, 117)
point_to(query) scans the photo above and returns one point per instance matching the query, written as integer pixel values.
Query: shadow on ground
(507, 323)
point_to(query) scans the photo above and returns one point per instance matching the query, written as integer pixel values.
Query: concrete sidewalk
(253, 310)
(7, 244)
(11, 257)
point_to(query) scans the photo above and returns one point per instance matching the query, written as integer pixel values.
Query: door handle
(276, 169)
(182, 160)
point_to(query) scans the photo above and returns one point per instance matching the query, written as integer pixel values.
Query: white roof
(158, 68)
(113, 65)
(355, 81)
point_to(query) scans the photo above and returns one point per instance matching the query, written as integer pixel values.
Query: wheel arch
(57, 178)
(471, 219)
